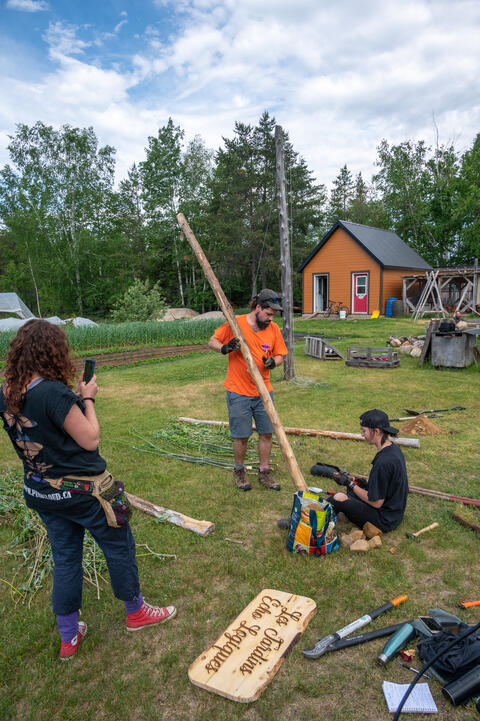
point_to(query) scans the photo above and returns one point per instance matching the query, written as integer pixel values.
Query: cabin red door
(360, 293)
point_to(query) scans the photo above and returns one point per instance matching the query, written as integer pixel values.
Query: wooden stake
(270, 409)
(203, 528)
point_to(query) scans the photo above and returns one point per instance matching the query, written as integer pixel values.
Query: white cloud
(339, 77)
(29, 6)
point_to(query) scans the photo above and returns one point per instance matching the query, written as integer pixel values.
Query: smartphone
(89, 370)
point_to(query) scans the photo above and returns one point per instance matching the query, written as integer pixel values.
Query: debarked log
(342, 435)
(203, 528)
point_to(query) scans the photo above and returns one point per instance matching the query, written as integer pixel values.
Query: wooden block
(370, 530)
(360, 545)
(393, 550)
(245, 658)
(374, 542)
(356, 534)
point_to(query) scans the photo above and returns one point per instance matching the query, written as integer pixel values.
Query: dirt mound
(420, 426)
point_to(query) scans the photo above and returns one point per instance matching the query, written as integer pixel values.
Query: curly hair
(38, 348)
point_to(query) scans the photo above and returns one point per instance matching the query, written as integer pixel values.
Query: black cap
(270, 298)
(377, 419)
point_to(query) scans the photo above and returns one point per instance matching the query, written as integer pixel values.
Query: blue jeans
(66, 517)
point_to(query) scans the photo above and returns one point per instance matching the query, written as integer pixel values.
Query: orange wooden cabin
(358, 266)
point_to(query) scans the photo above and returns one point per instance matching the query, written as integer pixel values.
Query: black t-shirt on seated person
(388, 480)
(37, 434)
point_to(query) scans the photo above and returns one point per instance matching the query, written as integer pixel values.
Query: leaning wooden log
(288, 455)
(444, 496)
(203, 528)
(409, 442)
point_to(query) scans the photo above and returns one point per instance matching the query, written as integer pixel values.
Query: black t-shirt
(388, 480)
(37, 434)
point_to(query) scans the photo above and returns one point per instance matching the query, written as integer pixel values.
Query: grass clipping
(31, 548)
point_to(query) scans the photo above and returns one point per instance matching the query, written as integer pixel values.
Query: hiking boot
(284, 522)
(68, 649)
(147, 615)
(265, 478)
(241, 480)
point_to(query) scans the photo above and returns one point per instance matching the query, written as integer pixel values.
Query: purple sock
(68, 625)
(264, 468)
(134, 605)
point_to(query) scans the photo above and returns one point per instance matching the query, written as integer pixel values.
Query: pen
(415, 670)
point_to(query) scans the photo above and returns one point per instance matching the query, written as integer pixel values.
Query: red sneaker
(67, 650)
(147, 615)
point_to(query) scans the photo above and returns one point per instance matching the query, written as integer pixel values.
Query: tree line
(71, 243)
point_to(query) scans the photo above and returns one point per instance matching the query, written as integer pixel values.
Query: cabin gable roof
(386, 247)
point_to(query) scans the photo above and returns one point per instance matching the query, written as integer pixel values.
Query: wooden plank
(426, 345)
(288, 454)
(203, 528)
(411, 442)
(247, 655)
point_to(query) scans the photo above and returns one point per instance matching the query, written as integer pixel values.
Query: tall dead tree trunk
(287, 290)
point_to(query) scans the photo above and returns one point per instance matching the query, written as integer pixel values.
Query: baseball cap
(271, 298)
(377, 419)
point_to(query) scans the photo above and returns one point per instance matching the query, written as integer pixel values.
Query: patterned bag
(312, 525)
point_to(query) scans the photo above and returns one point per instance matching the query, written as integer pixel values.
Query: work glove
(233, 344)
(268, 362)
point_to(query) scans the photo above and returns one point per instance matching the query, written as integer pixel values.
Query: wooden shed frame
(442, 291)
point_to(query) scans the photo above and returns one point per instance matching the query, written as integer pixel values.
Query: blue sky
(338, 76)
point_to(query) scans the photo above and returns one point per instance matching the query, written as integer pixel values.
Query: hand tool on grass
(434, 410)
(290, 460)
(468, 604)
(322, 644)
(364, 637)
(422, 530)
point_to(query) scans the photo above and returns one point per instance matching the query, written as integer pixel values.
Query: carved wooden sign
(245, 658)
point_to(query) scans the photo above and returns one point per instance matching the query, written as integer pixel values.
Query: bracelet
(89, 398)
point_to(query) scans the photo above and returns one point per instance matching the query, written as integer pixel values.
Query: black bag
(459, 659)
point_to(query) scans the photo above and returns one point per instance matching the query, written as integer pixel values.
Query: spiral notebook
(419, 701)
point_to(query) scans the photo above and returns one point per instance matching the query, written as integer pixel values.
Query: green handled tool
(322, 644)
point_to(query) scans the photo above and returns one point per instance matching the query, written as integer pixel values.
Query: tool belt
(109, 492)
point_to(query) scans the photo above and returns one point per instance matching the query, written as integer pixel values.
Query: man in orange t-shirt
(268, 349)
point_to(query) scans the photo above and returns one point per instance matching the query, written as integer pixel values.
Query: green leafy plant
(140, 302)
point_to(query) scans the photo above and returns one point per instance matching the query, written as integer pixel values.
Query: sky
(338, 75)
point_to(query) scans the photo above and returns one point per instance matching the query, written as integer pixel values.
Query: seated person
(383, 501)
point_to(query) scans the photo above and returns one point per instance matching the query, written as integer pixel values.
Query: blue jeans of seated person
(66, 521)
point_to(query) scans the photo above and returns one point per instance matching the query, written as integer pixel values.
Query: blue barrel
(389, 307)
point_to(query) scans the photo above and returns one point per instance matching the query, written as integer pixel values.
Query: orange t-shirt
(238, 378)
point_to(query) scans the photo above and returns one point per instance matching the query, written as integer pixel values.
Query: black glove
(269, 362)
(342, 478)
(233, 344)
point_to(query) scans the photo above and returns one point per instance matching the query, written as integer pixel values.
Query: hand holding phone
(88, 370)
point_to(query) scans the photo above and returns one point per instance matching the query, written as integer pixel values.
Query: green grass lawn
(143, 676)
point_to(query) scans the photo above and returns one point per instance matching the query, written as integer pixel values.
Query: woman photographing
(55, 433)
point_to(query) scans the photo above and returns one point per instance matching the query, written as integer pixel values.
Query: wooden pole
(285, 262)
(409, 442)
(270, 409)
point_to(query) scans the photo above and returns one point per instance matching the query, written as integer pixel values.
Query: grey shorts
(241, 410)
